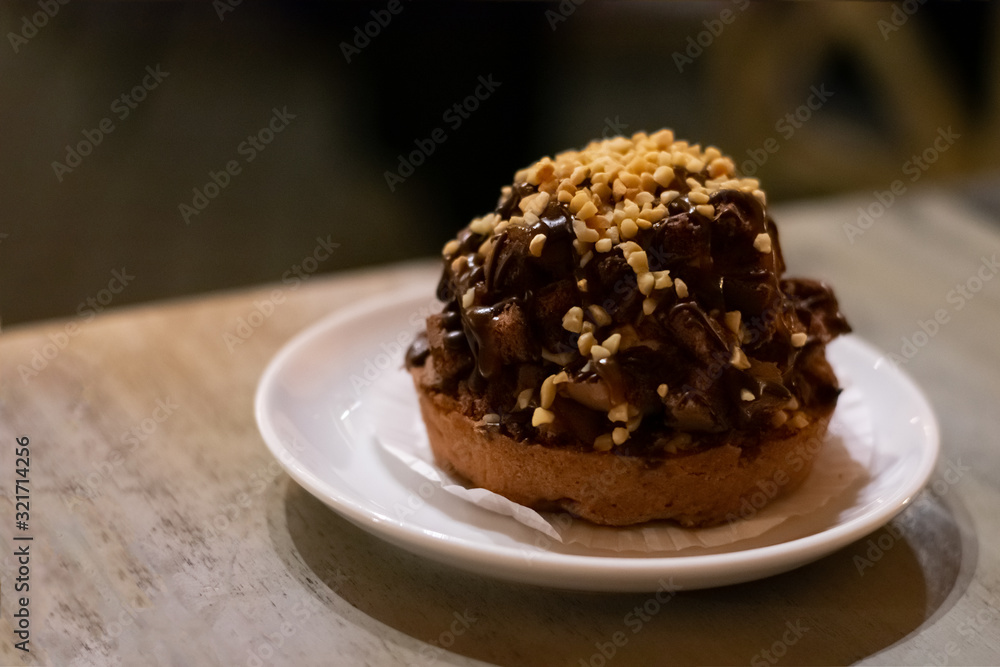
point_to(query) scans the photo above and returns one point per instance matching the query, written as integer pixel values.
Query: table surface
(165, 533)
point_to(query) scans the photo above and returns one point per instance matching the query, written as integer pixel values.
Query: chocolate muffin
(618, 340)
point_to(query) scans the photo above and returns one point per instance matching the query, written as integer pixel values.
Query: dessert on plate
(618, 341)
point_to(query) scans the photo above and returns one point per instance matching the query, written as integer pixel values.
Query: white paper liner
(845, 456)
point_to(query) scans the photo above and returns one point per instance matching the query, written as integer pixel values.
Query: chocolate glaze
(513, 330)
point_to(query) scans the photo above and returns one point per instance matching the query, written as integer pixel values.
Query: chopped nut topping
(630, 179)
(573, 319)
(663, 279)
(578, 201)
(535, 203)
(542, 416)
(547, 394)
(733, 318)
(792, 404)
(598, 352)
(668, 196)
(762, 243)
(588, 211)
(739, 359)
(614, 190)
(604, 443)
(484, 225)
(485, 247)
(651, 215)
(537, 244)
(628, 228)
(638, 262)
(491, 418)
(663, 175)
(579, 175)
(468, 297)
(779, 418)
(599, 315)
(524, 398)
(619, 413)
(618, 189)
(646, 283)
(721, 166)
(799, 420)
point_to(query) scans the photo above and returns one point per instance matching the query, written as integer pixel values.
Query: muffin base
(726, 482)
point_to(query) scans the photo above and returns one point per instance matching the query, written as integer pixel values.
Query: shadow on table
(838, 610)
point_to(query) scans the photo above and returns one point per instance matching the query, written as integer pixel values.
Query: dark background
(565, 77)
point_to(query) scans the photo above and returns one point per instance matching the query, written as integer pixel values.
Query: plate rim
(441, 547)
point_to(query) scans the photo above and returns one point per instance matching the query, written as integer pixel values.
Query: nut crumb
(542, 416)
(762, 243)
(537, 244)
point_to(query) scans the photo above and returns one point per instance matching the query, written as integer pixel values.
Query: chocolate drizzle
(513, 336)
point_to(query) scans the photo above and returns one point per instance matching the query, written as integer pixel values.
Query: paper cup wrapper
(844, 457)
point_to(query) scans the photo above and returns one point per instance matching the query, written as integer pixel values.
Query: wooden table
(165, 533)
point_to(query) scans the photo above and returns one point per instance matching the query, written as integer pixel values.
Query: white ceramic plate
(314, 410)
